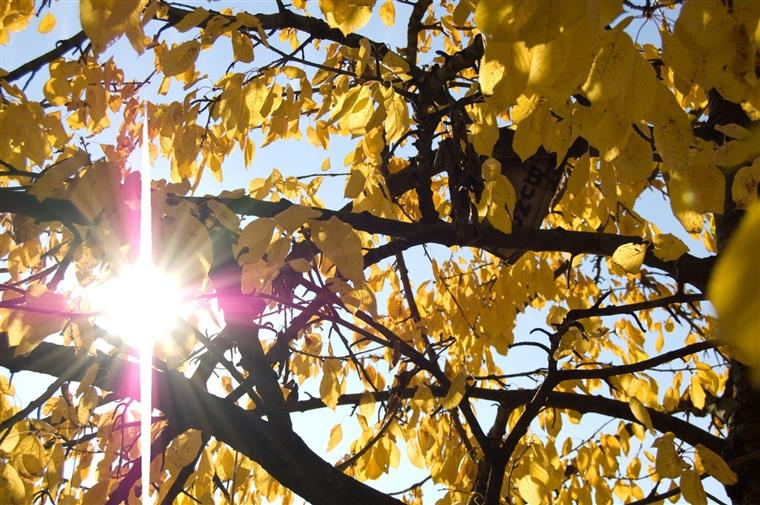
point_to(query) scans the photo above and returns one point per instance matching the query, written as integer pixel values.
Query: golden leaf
(347, 15)
(256, 236)
(44, 315)
(187, 446)
(179, 58)
(630, 256)
(714, 465)
(744, 188)
(47, 23)
(734, 294)
(329, 385)
(668, 463)
(294, 217)
(339, 242)
(388, 13)
(336, 435)
(105, 20)
(691, 488)
(668, 247)
(456, 392)
(611, 70)
(242, 47)
(52, 179)
(196, 17)
(12, 488)
(640, 412)
(532, 490)
(355, 183)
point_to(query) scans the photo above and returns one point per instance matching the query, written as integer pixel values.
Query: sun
(141, 305)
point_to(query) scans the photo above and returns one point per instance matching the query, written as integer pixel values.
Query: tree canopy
(538, 284)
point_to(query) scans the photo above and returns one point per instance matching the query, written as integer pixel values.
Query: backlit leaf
(630, 256)
(734, 296)
(47, 23)
(179, 58)
(455, 393)
(714, 465)
(256, 236)
(336, 435)
(104, 20)
(339, 242)
(640, 412)
(668, 247)
(11, 486)
(388, 13)
(691, 488)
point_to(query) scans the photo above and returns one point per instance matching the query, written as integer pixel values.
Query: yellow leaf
(668, 463)
(242, 47)
(179, 58)
(504, 20)
(329, 386)
(714, 465)
(27, 328)
(630, 256)
(550, 20)
(668, 247)
(388, 13)
(256, 236)
(357, 112)
(531, 131)
(423, 398)
(12, 489)
(699, 189)
(672, 131)
(187, 446)
(744, 188)
(294, 217)
(537, 471)
(223, 214)
(47, 23)
(735, 297)
(347, 15)
(741, 151)
(365, 52)
(397, 120)
(691, 488)
(640, 412)
(97, 189)
(531, 490)
(104, 20)
(483, 130)
(697, 392)
(456, 392)
(634, 162)
(192, 20)
(612, 67)
(336, 435)
(498, 199)
(355, 183)
(339, 242)
(52, 179)
(88, 378)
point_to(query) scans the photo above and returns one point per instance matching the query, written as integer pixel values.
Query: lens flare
(141, 305)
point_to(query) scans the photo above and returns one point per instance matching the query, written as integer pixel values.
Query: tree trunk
(744, 425)
(744, 437)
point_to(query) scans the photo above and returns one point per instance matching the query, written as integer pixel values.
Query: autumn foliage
(538, 285)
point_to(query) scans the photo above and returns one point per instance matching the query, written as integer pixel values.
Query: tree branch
(282, 453)
(52, 359)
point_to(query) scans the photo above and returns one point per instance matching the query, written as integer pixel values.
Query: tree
(515, 136)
